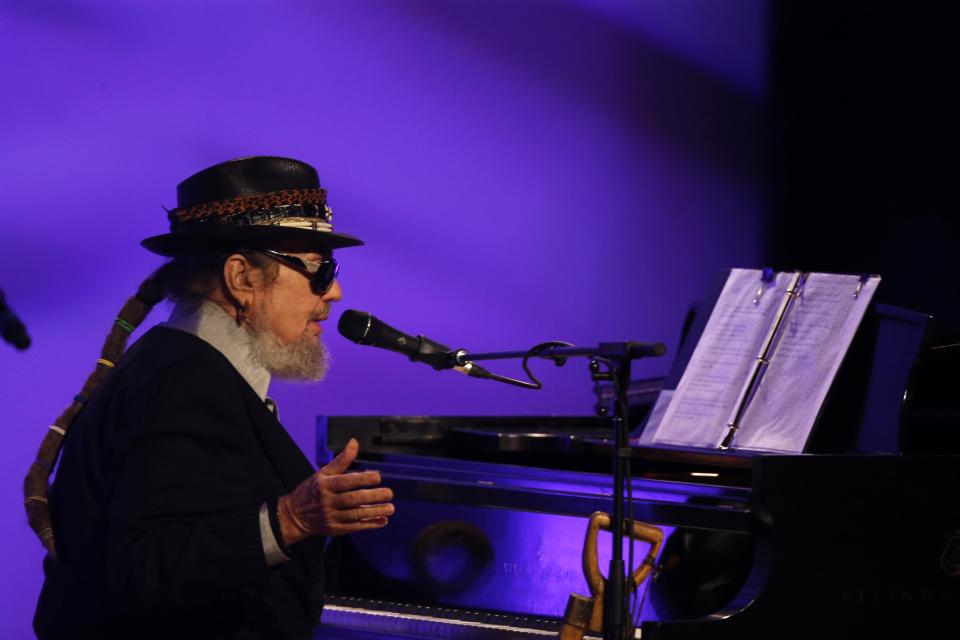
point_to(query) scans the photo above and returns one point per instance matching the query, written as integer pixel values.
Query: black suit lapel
(291, 466)
(288, 461)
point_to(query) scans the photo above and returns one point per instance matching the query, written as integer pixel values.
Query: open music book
(762, 368)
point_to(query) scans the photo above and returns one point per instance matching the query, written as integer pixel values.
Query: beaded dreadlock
(181, 279)
(36, 485)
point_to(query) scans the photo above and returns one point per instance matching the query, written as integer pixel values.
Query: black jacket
(156, 504)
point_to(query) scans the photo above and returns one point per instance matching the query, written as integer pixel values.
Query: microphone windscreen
(355, 325)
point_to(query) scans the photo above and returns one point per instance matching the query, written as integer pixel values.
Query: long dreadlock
(190, 278)
(36, 486)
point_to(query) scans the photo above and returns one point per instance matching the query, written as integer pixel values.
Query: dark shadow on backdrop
(864, 146)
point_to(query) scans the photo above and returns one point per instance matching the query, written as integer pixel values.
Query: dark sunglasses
(321, 274)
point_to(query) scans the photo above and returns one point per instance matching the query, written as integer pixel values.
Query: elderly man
(181, 506)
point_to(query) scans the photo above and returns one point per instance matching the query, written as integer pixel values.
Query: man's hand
(332, 503)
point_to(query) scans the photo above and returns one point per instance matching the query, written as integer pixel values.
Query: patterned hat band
(299, 208)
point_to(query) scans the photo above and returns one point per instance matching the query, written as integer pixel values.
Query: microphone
(11, 327)
(363, 328)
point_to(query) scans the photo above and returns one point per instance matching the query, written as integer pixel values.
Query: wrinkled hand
(332, 503)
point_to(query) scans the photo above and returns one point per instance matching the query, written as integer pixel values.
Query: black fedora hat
(260, 202)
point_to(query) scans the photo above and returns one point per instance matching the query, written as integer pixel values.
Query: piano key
(433, 622)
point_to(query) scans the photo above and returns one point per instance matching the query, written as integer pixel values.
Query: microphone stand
(618, 355)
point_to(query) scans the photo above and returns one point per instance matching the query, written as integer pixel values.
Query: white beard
(304, 360)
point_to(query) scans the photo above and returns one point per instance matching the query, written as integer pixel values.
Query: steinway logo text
(887, 594)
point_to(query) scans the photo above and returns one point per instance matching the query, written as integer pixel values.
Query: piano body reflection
(857, 537)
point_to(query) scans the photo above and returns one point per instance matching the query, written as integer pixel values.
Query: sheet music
(815, 339)
(655, 417)
(723, 360)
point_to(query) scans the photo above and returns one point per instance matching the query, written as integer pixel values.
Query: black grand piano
(858, 537)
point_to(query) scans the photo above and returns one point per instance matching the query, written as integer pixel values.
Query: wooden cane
(591, 562)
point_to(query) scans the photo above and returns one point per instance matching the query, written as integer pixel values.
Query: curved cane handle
(652, 535)
(591, 562)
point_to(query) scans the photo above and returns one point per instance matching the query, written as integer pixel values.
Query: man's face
(284, 321)
(290, 309)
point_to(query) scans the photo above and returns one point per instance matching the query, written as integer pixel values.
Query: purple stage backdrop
(520, 171)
